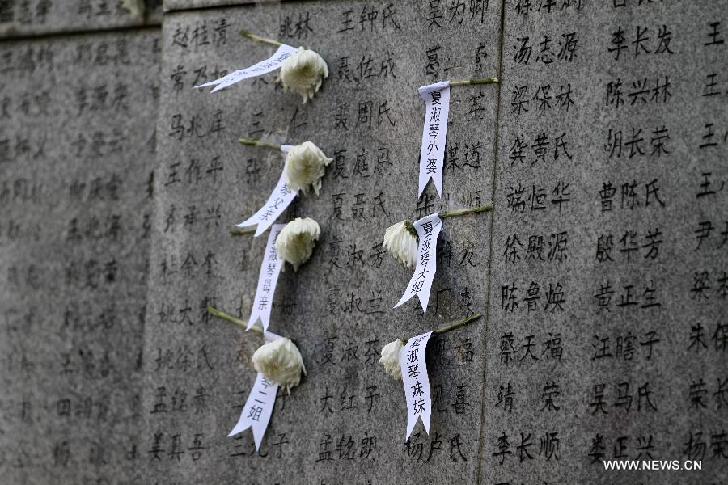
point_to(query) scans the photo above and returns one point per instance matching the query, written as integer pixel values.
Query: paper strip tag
(263, 67)
(428, 229)
(278, 201)
(416, 382)
(434, 134)
(267, 280)
(258, 409)
(259, 406)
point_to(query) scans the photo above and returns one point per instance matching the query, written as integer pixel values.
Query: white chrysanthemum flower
(401, 243)
(134, 7)
(305, 166)
(295, 242)
(280, 362)
(390, 358)
(303, 73)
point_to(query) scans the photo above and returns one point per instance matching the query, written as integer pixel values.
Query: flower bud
(303, 73)
(401, 243)
(305, 166)
(280, 362)
(295, 242)
(390, 358)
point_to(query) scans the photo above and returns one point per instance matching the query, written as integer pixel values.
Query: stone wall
(77, 150)
(601, 273)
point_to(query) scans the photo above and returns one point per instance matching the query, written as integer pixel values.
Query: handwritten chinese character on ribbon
(434, 134)
(416, 382)
(259, 406)
(428, 230)
(278, 201)
(263, 67)
(267, 280)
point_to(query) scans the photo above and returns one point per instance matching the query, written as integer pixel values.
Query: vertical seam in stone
(496, 148)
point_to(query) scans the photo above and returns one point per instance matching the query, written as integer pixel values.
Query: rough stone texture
(338, 306)
(667, 403)
(606, 333)
(76, 156)
(171, 5)
(33, 17)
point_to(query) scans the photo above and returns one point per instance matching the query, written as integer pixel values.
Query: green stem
(444, 215)
(237, 231)
(257, 38)
(463, 212)
(458, 324)
(411, 229)
(258, 143)
(231, 319)
(468, 82)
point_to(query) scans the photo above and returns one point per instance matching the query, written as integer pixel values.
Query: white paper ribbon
(267, 280)
(259, 406)
(416, 382)
(263, 67)
(278, 201)
(428, 229)
(434, 134)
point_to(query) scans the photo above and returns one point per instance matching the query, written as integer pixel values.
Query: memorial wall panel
(607, 336)
(346, 422)
(77, 146)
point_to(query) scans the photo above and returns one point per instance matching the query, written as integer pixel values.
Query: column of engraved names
(649, 244)
(534, 292)
(357, 110)
(703, 338)
(631, 242)
(618, 256)
(76, 203)
(370, 110)
(199, 368)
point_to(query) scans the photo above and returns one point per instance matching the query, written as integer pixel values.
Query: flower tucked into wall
(296, 241)
(400, 240)
(302, 70)
(305, 163)
(390, 358)
(392, 352)
(303, 73)
(305, 166)
(280, 362)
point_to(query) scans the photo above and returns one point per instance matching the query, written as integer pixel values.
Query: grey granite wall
(37, 17)
(77, 146)
(607, 336)
(346, 422)
(601, 272)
